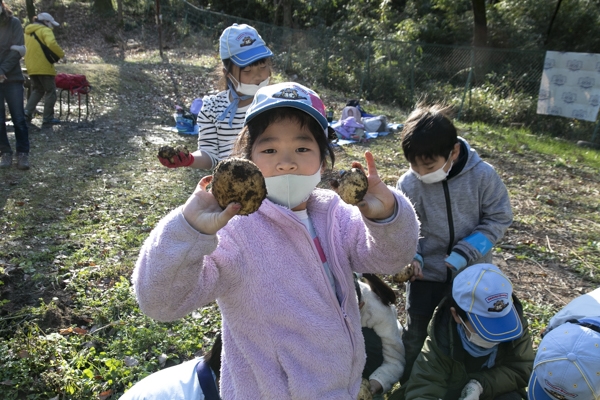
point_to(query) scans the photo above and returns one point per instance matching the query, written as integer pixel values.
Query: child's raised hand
(202, 211)
(379, 202)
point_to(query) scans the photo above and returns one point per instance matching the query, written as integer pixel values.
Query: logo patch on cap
(498, 306)
(499, 300)
(290, 94)
(557, 392)
(247, 41)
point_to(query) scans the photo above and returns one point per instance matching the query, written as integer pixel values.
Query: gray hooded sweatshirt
(467, 213)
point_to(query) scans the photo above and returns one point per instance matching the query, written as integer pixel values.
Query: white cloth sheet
(570, 85)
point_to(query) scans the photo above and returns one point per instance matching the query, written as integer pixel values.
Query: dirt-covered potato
(365, 391)
(170, 153)
(352, 185)
(405, 274)
(239, 180)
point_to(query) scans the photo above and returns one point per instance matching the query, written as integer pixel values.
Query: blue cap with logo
(567, 363)
(485, 294)
(288, 94)
(243, 45)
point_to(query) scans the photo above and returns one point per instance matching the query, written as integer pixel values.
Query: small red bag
(74, 83)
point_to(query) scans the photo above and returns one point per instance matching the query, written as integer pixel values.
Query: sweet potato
(170, 152)
(239, 180)
(351, 186)
(405, 274)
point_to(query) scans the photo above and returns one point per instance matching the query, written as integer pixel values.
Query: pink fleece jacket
(285, 335)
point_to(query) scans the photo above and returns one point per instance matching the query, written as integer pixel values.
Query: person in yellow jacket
(40, 70)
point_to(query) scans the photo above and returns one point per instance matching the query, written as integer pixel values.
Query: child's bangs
(263, 61)
(426, 146)
(258, 124)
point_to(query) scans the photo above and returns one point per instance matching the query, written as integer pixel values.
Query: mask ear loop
(229, 75)
(234, 82)
(227, 71)
(465, 326)
(451, 162)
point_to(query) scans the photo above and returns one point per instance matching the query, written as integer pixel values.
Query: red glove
(180, 160)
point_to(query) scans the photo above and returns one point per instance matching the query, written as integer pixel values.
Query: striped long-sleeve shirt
(216, 138)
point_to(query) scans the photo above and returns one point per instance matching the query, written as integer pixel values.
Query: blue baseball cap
(243, 45)
(485, 294)
(288, 94)
(567, 363)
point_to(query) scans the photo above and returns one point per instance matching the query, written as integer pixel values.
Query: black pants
(374, 350)
(422, 297)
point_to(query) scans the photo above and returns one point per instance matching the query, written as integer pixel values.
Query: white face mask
(247, 89)
(291, 190)
(476, 339)
(435, 176)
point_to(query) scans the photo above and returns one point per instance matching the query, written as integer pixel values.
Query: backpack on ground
(376, 124)
(73, 82)
(356, 103)
(185, 121)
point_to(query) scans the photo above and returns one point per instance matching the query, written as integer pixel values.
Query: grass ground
(71, 227)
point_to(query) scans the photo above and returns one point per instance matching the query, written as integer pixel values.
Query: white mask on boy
(435, 176)
(291, 190)
(247, 89)
(481, 342)
(476, 339)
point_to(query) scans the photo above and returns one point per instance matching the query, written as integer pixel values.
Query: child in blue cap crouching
(567, 364)
(478, 344)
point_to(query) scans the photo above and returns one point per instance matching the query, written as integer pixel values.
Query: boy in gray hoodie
(463, 207)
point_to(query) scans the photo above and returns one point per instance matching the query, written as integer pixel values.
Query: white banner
(570, 85)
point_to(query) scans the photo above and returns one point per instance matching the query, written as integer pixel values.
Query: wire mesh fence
(489, 85)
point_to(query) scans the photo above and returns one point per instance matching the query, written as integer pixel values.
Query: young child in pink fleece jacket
(282, 276)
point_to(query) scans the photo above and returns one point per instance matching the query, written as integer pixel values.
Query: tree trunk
(159, 26)
(30, 9)
(552, 21)
(103, 7)
(287, 13)
(120, 12)
(479, 41)
(479, 23)
(276, 7)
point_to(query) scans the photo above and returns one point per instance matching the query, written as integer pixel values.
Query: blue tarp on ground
(370, 135)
